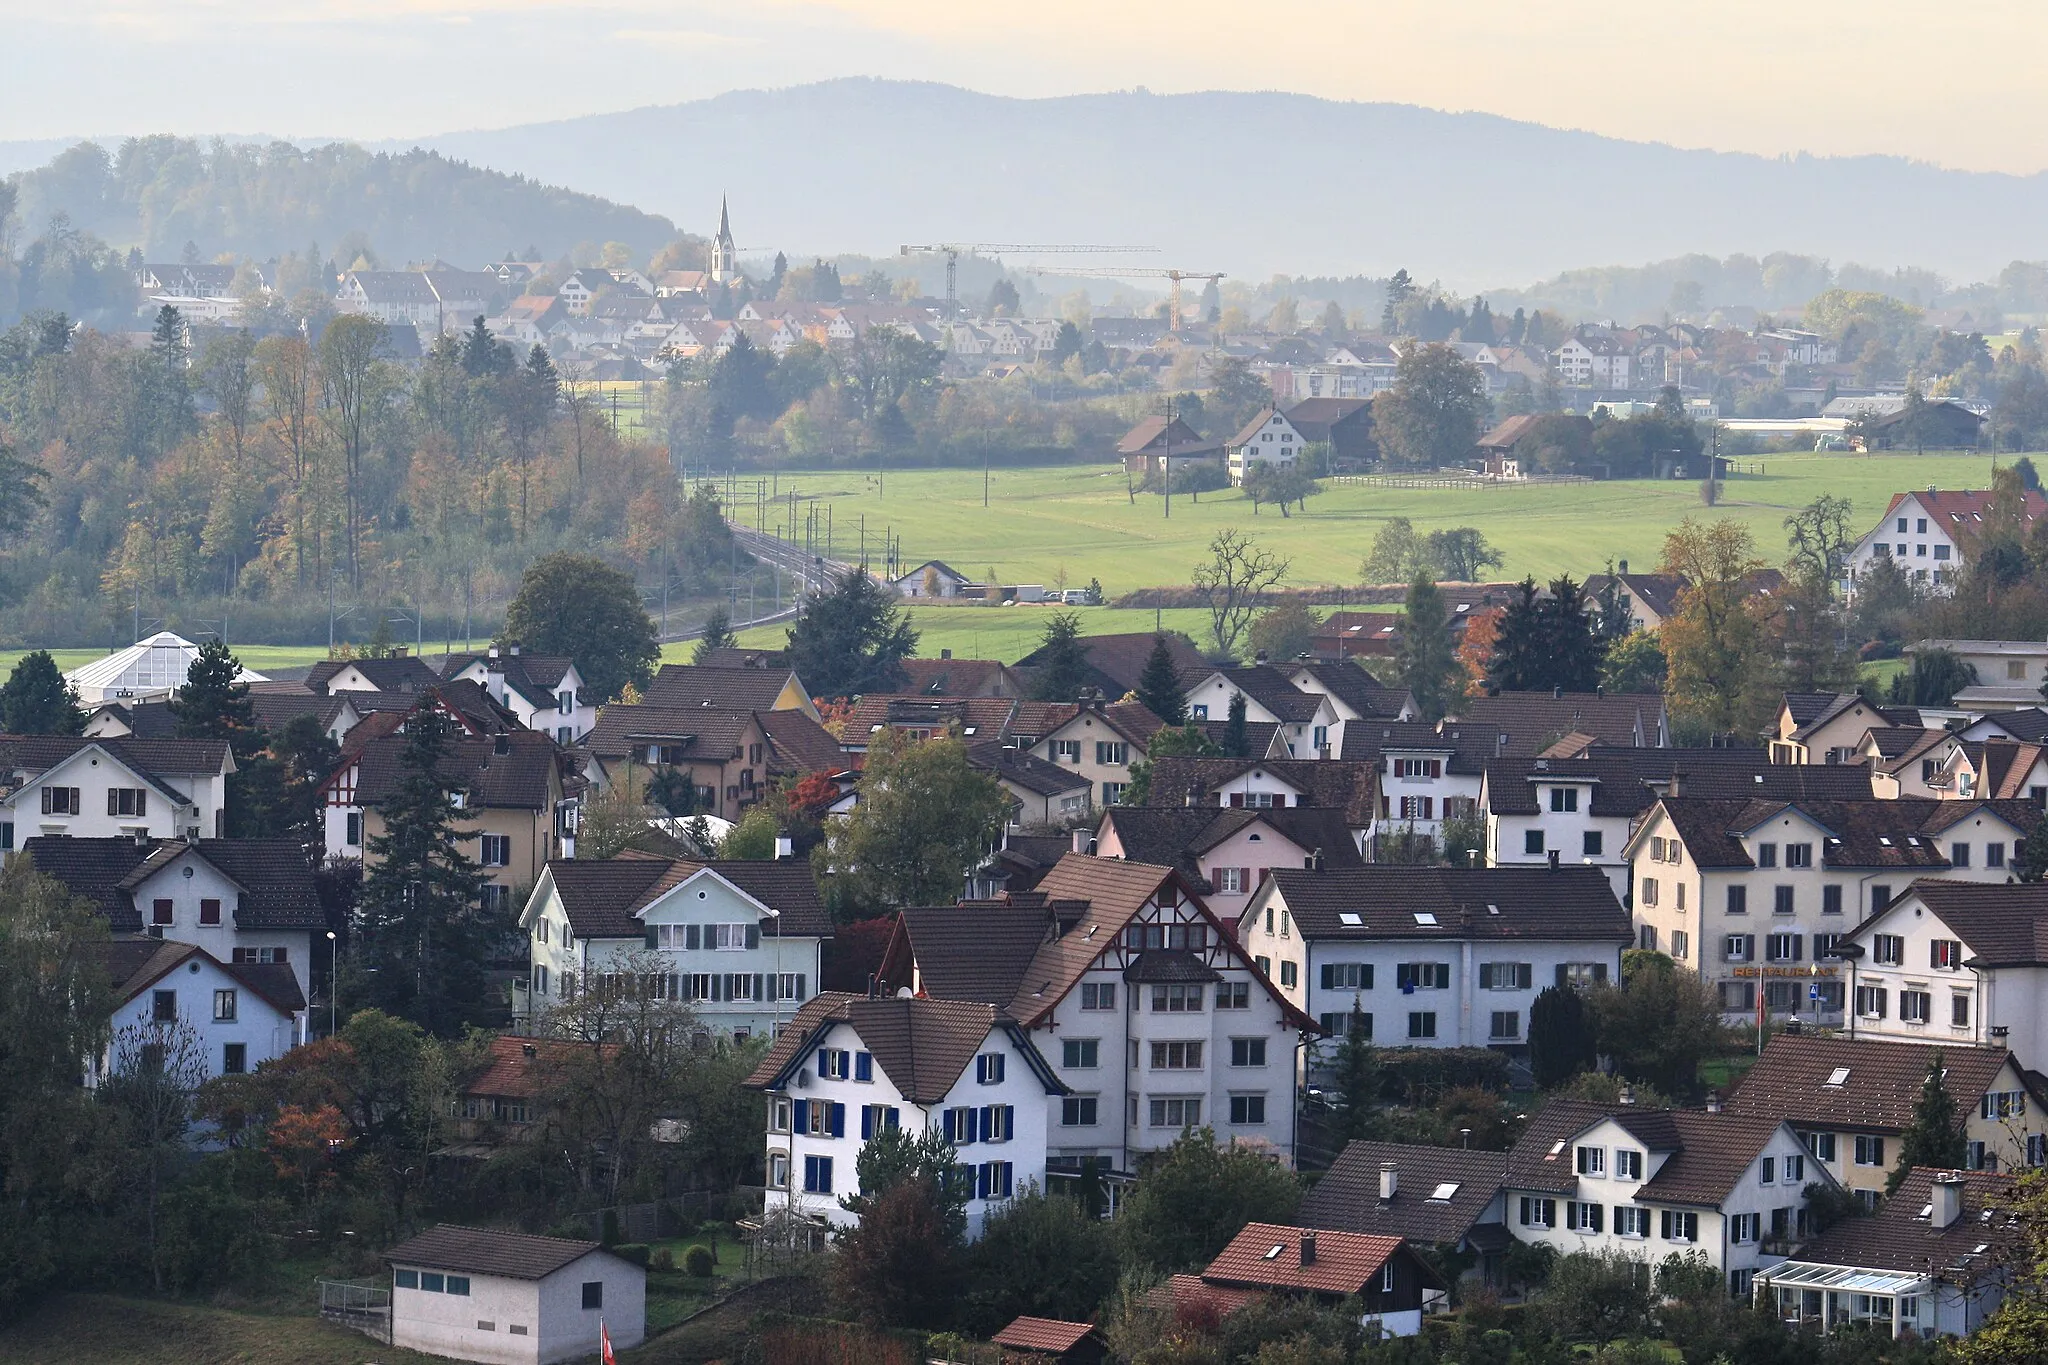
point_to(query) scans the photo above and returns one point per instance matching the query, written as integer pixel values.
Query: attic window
(1556, 1150)
(1926, 1211)
(1885, 839)
(1443, 1193)
(1274, 1253)
(1492, 909)
(967, 730)
(1839, 1076)
(1759, 777)
(1464, 606)
(1350, 918)
(1425, 917)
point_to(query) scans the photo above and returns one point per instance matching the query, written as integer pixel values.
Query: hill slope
(1253, 183)
(263, 200)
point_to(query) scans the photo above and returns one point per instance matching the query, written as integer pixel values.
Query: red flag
(605, 1337)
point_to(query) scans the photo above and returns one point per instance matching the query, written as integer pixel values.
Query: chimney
(1556, 693)
(1308, 1248)
(1390, 1181)
(502, 744)
(784, 847)
(528, 1051)
(1082, 838)
(1713, 1101)
(142, 839)
(1945, 1200)
(515, 649)
(494, 652)
(1621, 567)
(945, 654)
(1259, 658)
(1553, 860)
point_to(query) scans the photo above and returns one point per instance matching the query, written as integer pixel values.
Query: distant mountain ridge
(1252, 183)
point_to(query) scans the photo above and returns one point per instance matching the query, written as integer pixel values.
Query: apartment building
(112, 788)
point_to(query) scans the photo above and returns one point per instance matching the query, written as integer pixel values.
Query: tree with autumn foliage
(1722, 675)
(303, 1144)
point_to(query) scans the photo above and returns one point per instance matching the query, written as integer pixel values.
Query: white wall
(206, 883)
(1565, 833)
(94, 772)
(265, 1032)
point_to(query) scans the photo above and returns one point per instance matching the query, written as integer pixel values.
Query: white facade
(1319, 735)
(1918, 540)
(710, 944)
(567, 714)
(498, 1318)
(1910, 949)
(236, 1028)
(840, 1097)
(1276, 441)
(1419, 789)
(92, 794)
(1564, 824)
(1613, 1165)
(189, 900)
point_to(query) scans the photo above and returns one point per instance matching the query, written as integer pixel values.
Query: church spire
(724, 255)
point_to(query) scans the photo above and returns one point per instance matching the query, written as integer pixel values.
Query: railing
(366, 1307)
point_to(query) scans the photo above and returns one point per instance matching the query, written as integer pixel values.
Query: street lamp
(333, 984)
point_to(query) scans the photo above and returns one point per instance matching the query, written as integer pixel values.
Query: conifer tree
(1235, 740)
(1935, 1136)
(1426, 660)
(1063, 659)
(37, 701)
(717, 635)
(1159, 685)
(213, 702)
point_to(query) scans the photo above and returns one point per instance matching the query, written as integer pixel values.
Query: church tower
(725, 266)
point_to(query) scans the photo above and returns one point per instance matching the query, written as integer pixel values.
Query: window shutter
(141, 801)
(981, 1181)
(799, 987)
(113, 802)
(895, 1119)
(757, 986)
(1329, 977)
(1560, 974)
(863, 1066)
(1599, 971)
(653, 937)
(838, 1120)
(753, 935)
(867, 1122)
(690, 933)
(1599, 1216)
(802, 1122)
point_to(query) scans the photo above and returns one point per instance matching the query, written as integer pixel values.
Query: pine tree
(1062, 659)
(851, 638)
(2033, 856)
(717, 635)
(1935, 1136)
(1235, 740)
(1159, 685)
(1517, 664)
(1357, 1078)
(214, 704)
(423, 936)
(1561, 1042)
(1426, 659)
(37, 701)
(1572, 649)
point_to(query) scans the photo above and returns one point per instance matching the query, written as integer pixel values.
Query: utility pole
(1167, 481)
(984, 467)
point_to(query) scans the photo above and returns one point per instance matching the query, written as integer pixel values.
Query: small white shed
(489, 1295)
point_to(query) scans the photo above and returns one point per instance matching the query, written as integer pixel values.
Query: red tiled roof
(517, 1065)
(1271, 1256)
(1043, 1334)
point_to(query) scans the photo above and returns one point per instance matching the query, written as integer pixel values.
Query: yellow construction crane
(1173, 277)
(952, 252)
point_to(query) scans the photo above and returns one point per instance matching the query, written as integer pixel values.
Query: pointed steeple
(724, 255)
(724, 221)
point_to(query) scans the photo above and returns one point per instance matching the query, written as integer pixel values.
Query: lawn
(88, 1329)
(1006, 633)
(1077, 519)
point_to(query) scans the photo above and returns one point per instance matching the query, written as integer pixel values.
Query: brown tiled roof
(1790, 1081)
(94, 870)
(490, 1251)
(2029, 724)
(2003, 767)
(601, 896)
(1356, 688)
(1342, 1263)
(1899, 1237)
(275, 878)
(1504, 436)
(973, 717)
(1258, 734)
(2004, 925)
(1335, 784)
(1531, 720)
(1250, 429)
(1263, 683)
(1034, 775)
(973, 952)
(1132, 720)
(1314, 417)
(1150, 435)
(705, 733)
(798, 745)
(1713, 1152)
(683, 686)
(518, 1066)
(1115, 662)
(408, 673)
(1628, 781)
(1537, 1161)
(785, 885)
(158, 758)
(1347, 1198)
(1161, 835)
(1045, 1335)
(959, 677)
(1191, 1298)
(733, 657)
(921, 1045)
(136, 963)
(1873, 834)
(517, 780)
(1565, 903)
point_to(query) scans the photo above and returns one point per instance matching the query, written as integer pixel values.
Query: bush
(1423, 1075)
(698, 1261)
(664, 1259)
(610, 1234)
(636, 1252)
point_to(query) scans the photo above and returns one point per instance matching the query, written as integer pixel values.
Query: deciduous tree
(580, 606)
(1196, 1197)
(1430, 418)
(1231, 583)
(924, 819)
(1721, 678)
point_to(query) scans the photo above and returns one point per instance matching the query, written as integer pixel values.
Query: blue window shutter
(690, 936)
(653, 937)
(988, 1123)
(753, 935)
(822, 1071)
(838, 1120)
(867, 1122)
(981, 1181)
(863, 1066)
(802, 1122)
(799, 987)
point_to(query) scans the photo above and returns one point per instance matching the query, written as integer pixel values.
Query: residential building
(1307, 724)
(543, 691)
(147, 669)
(1342, 424)
(722, 753)
(1852, 1100)
(756, 687)
(2009, 673)
(1354, 693)
(242, 900)
(1931, 1260)
(237, 1015)
(1152, 1016)
(1504, 451)
(1392, 1285)
(1269, 438)
(1446, 1198)
(1270, 784)
(1651, 599)
(1758, 895)
(1043, 795)
(508, 1100)
(1927, 533)
(740, 942)
(1583, 809)
(1228, 852)
(1099, 743)
(1953, 964)
(1519, 724)
(1939, 425)
(512, 1298)
(510, 796)
(933, 578)
(1648, 1183)
(1829, 727)
(112, 788)
(849, 1068)
(1116, 662)
(401, 674)
(947, 676)
(1149, 447)
(1432, 956)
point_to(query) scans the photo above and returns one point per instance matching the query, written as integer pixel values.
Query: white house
(851, 1067)
(1268, 438)
(512, 1298)
(1931, 1260)
(245, 901)
(933, 578)
(1228, 852)
(741, 942)
(1432, 956)
(238, 1015)
(1307, 722)
(1927, 533)
(542, 691)
(112, 788)
(1651, 1182)
(1762, 893)
(1150, 1013)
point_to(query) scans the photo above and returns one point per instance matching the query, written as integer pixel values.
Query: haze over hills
(1252, 184)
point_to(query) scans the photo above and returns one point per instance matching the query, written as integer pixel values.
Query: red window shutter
(160, 912)
(1244, 879)
(1264, 873)
(1436, 767)
(1429, 808)
(209, 912)
(1237, 799)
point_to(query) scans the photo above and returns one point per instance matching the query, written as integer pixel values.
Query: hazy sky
(1956, 84)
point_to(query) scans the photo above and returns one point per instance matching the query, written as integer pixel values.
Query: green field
(1078, 519)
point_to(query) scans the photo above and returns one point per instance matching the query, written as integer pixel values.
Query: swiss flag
(605, 1339)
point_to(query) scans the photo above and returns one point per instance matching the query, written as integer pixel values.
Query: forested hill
(259, 201)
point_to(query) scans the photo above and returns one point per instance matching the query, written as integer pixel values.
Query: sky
(1957, 85)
